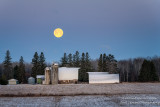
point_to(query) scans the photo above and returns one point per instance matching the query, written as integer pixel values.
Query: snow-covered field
(132, 100)
(80, 89)
(81, 95)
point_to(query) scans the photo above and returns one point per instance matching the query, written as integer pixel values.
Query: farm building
(12, 82)
(103, 77)
(40, 79)
(62, 75)
(31, 80)
(68, 75)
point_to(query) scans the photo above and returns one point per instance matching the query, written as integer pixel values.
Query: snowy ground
(126, 100)
(80, 89)
(81, 95)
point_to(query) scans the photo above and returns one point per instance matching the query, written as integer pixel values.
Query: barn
(68, 75)
(103, 77)
(61, 75)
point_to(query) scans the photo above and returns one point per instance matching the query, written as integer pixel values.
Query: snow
(40, 76)
(31, 78)
(48, 68)
(97, 73)
(56, 64)
(82, 95)
(12, 80)
(126, 100)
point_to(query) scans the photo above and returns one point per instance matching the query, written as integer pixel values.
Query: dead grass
(79, 89)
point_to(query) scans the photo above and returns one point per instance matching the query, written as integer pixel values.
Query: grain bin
(31, 80)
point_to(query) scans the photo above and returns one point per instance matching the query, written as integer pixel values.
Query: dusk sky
(124, 28)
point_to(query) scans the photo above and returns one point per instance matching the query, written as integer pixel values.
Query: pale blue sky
(125, 28)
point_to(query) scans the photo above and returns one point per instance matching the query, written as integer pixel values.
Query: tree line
(107, 64)
(75, 60)
(18, 70)
(135, 70)
(131, 70)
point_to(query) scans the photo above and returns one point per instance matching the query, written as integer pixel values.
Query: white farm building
(55, 75)
(65, 73)
(12, 82)
(103, 77)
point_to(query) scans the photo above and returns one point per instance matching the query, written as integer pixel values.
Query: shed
(31, 80)
(12, 82)
(103, 77)
(40, 78)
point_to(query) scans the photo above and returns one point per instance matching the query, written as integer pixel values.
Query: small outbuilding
(31, 80)
(103, 77)
(40, 79)
(12, 82)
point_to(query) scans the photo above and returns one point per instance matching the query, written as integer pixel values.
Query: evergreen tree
(88, 67)
(22, 76)
(70, 62)
(64, 60)
(112, 64)
(36, 65)
(16, 72)
(100, 63)
(8, 66)
(113, 67)
(108, 64)
(77, 59)
(88, 61)
(148, 72)
(111, 57)
(104, 63)
(145, 72)
(0, 71)
(83, 68)
(42, 63)
(153, 72)
(74, 60)
(3, 80)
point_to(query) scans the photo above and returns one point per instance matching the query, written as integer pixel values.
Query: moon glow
(58, 32)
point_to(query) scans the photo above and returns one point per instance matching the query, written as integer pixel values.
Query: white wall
(103, 77)
(65, 73)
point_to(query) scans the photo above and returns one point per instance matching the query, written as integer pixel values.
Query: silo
(54, 74)
(31, 80)
(47, 75)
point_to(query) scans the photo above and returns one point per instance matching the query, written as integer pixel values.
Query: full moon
(58, 32)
